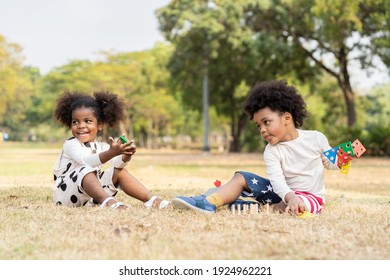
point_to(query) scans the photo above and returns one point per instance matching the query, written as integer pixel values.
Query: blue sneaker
(197, 203)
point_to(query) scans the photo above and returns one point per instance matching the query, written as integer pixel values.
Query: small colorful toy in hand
(344, 154)
(125, 140)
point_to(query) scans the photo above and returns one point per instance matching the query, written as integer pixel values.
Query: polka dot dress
(76, 160)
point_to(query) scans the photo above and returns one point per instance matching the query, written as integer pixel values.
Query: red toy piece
(342, 157)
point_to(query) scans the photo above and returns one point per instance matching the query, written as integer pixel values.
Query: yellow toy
(306, 215)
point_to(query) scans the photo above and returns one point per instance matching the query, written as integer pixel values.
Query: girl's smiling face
(84, 125)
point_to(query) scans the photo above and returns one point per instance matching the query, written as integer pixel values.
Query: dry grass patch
(354, 225)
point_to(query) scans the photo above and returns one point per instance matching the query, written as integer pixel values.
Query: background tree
(140, 78)
(153, 109)
(331, 33)
(15, 89)
(377, 123)
(214, 35)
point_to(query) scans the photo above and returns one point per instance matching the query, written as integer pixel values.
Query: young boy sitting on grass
(293, 157)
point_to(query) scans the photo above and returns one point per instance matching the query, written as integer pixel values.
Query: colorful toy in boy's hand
(344, 153)
(358, 148)
(217, 183)
(343, 157)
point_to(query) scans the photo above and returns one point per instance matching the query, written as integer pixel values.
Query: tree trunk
(155, 135)
(350, 103)
(236, 130)
(345, 85)
(342, 77)
(130, 132)
(149, 140)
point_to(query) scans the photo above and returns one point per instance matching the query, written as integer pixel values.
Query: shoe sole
(181, 204)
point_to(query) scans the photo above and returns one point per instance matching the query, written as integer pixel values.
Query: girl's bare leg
(130, 185)
(93, 188)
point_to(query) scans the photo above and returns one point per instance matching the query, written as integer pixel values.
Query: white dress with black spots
(75, 161)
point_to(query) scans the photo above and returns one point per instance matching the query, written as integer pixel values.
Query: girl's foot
(113, 203)
(156, 203)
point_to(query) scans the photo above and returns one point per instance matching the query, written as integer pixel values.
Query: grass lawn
(355, 224)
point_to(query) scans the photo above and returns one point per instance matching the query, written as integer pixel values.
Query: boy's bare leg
(279, 207)
(230, 191)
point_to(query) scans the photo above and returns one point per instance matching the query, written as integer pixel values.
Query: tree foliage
(311, 43)
(15, 87)
(214, 35)
(331, 33)
(140, 78)
(252, 40)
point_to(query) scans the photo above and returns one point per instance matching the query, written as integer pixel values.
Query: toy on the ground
(246, 208)
(344, 154)
(306, 215)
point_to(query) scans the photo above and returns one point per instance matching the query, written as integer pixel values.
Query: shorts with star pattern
(261, 188)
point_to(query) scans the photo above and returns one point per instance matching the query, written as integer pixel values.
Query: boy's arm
(275, 174)
(324, 144)
(295, 205)
(328, 164)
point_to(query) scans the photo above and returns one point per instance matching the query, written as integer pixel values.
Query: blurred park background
(186, 92)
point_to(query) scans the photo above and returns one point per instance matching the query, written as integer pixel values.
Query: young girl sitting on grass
(293, 157)
(78, 175)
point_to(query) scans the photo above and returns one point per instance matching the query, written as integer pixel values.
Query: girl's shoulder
(70, 141)
(103, 145)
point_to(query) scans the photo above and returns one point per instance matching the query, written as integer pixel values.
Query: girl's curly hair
(107, 107)
(277, 96)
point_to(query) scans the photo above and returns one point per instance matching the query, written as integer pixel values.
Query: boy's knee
(239, 176)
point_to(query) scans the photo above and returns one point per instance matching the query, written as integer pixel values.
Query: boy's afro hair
(277, 96)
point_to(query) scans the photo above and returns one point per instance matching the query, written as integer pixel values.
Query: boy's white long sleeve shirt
(298, 165)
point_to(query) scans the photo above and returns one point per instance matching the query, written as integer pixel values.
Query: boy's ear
(287, 118)
(100, 126)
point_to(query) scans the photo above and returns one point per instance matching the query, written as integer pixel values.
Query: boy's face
(84, 125)
(275, 127)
